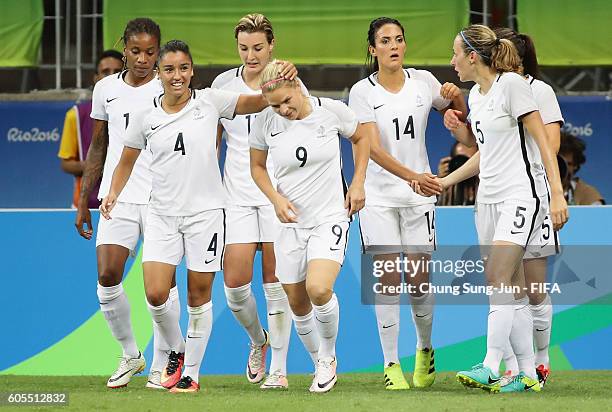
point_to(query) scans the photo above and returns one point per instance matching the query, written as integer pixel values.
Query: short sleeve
(135, 136)
(358, 103)
(257, 137)
(98, 109)
(347, 118)
(519, 98)
(224, 101)
(437, 101)
(69, 147)
(548, 104)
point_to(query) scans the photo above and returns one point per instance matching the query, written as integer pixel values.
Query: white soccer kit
(395, 216)
(187, 197)
(118, 103)
(308, 169)
(551, 113)
(250, 216)
(511, 199)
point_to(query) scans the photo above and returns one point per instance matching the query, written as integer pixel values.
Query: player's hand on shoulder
(83, 218)
(108, 203)
(355, 199)
(285, 211)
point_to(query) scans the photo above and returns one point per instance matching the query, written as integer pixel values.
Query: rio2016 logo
(580, 131)
(15, 134)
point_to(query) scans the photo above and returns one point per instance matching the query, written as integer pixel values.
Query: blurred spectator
(465, 192)
(78, 127)
(577, 192)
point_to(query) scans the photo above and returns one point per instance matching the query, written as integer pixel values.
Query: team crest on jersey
(490, 105)
(197, 113)
(419, 100)
(320, 132)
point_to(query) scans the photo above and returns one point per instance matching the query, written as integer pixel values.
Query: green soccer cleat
(394, 378)
(480, 377)
(424, 369)
(519, 383)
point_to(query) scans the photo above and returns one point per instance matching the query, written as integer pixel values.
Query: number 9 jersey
(307, 160)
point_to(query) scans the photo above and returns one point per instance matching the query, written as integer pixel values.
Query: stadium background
(45, 261)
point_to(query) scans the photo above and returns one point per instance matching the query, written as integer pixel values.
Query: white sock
(422, 316)
(168, 323)
(499, 325)
(542, 321)
(388, 319)
(279, 325)
(510, 359)
(198, 332)
(116, 310)
(521, 338)
(327, 317)
(161, 349)
(242, 304)
(308, 333)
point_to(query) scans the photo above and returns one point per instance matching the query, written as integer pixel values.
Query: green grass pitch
(566, 391)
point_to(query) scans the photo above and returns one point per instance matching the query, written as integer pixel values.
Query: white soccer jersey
(119, 104)
(307, 161)
(550, 112)
(186, 175)
(240, 187)
(401, 119)
(508, 169)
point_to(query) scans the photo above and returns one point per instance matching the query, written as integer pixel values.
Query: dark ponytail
(371, 61)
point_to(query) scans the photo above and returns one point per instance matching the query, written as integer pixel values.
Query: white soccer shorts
(200, 238)
(398, 229)
(518, 221)
(295, 247)
(251, 224)
(125, 227)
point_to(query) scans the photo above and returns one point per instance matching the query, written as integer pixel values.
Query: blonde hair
(499, 54)
(253, 23)
(271, 77)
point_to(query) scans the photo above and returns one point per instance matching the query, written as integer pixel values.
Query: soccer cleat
(185, 385)
(394, 378)
(256, 365)
(126, 369)
(424, 369)
(154, 381)
(519, 383)
(543, 374)
(325, 376)
(275, 381)
(479, 377)
(172, 372)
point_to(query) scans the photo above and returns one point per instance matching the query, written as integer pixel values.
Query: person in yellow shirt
(76, 134)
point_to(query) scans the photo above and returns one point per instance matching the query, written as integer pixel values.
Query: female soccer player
(116, 100)
(393, 105)
(534, 262)
(185, 217)
(511, 202)
(251, 221)
(312, 203)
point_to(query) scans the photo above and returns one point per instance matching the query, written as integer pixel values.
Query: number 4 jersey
(186, 176)
(118, 103)
(401, 119)
(306, 158)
